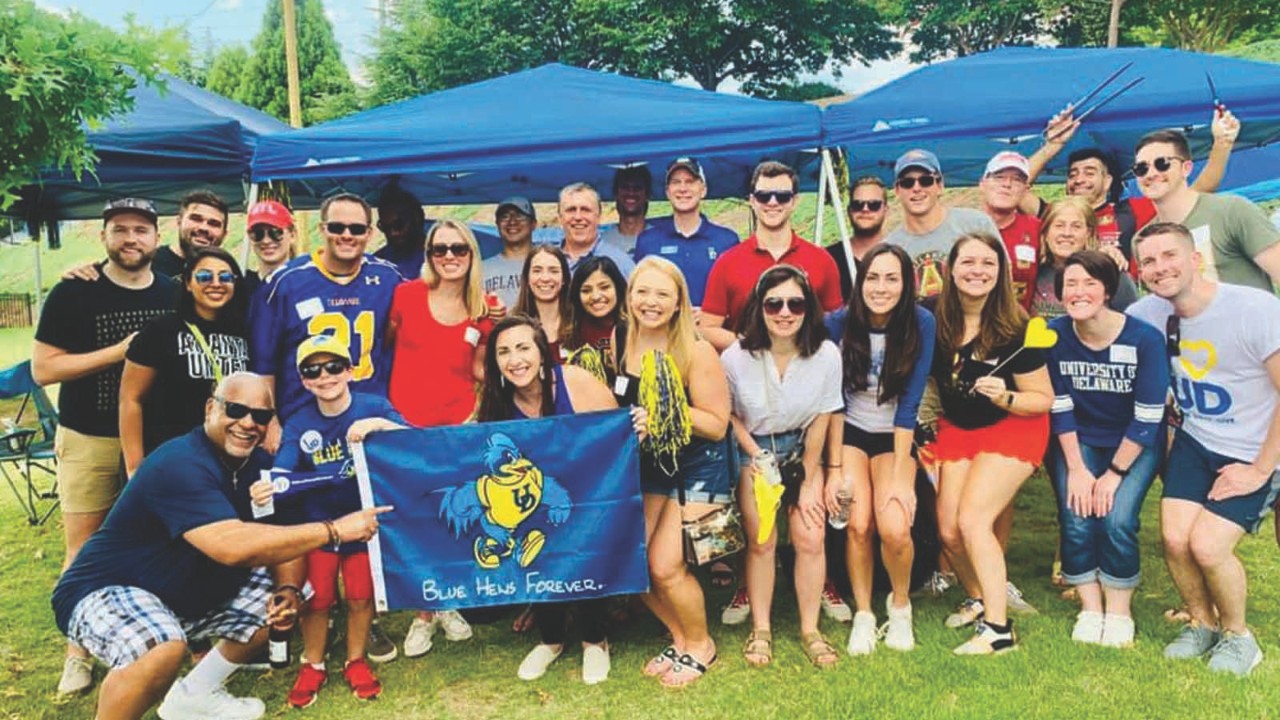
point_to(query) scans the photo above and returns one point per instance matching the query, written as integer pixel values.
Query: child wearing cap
(318, 438)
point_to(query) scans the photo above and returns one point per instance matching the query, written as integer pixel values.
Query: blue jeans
(1103, 549)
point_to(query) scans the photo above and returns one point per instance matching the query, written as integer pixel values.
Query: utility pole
(291, 64)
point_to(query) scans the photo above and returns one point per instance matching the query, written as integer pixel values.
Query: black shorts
(872, 444)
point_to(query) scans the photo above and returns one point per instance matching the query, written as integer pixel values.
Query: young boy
(317, 438)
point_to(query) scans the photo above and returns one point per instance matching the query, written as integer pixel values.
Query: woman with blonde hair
(1069, 227)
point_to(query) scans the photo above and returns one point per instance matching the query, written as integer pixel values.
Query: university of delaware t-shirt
(1219, 377)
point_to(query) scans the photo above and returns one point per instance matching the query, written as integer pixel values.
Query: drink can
(767, 465)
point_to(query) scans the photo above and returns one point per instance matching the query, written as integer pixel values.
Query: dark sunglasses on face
(237, 411)
(764, 196)
(774, 305)
(909, 182)
(1173, 335)
(866, 205)
(333, 367)
(205, 277)
(1161, 164)
(337, 228)
(262, 232)
(459, 250)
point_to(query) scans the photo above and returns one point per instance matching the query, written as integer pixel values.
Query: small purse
(714, 536)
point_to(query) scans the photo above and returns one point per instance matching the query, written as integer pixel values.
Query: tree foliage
(945, 28)
(226, 70)
(1204, 25)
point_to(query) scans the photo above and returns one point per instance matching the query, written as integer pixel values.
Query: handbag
(713, 536)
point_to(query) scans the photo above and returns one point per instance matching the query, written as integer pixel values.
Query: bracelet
(334, 538)
(1112, 467)
(294, 588)
(1008, 400)
(834, 467)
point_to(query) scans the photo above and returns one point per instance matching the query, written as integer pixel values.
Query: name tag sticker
(472, 336)
(669, 250)
(620, 385)
(1025, 253)
(309, 308)
(1124, 354)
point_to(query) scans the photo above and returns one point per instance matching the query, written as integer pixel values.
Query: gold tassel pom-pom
(589, 358)
(661, 394)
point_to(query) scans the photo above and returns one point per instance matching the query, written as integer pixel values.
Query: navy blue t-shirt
(181, 486)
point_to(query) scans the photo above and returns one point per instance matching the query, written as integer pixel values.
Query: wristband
(1008, 400)
(1112, 467)
(294, 588)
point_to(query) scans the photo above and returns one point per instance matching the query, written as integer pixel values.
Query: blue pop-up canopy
(174, 140)
(967, 110)
(535, 131)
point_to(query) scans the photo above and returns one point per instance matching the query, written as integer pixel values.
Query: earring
(540, 371)
(502, 381)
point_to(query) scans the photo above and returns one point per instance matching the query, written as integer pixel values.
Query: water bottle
(278, 644)
(767, 466)
(840, 520)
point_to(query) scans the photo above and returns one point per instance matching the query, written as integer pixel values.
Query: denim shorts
(784, 446)
(704, 467)
(1191, 471)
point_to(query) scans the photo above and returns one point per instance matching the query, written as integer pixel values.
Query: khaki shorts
(90, 471)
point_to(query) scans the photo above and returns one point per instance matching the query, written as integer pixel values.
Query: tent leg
(829, 175)
(39, 278)
(822, 203)
(251, 199)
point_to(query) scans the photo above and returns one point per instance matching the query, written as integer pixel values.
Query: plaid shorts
(119, 624)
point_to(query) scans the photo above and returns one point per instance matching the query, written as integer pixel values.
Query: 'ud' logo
(524, 498)
(1204, 398)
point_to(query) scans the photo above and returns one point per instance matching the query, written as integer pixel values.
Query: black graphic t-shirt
(955, 373)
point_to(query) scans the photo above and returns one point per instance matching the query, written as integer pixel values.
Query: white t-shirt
(502, 278)
(861, 408)
(1220, 378)
(768, 404)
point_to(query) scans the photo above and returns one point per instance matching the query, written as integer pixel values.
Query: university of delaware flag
(503, 513)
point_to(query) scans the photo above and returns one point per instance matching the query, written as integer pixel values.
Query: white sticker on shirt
(1203, 239)
(472, 336)
(669, 250)
(620, 385)
(1124, 354)
(1025, 253)
(309, 308)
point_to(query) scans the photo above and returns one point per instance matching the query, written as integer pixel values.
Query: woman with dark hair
(993, 431)
(544, 296)
(1110, 377)
(523, 380)
(599, 318)
(887, 348)
(784, 377)
(176, 359)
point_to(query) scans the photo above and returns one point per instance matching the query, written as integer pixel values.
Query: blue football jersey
(302, 300)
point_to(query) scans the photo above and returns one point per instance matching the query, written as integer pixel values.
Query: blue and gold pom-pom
(661, 394)
(589, 358)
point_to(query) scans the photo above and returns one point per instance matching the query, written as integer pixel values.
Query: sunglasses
(1161, 164)
(333, 367)
(866, 205)
(237, 411)
(909, 182)
(337, 228)
(774, 305)
(459, 250)
(764, 196)
(1173, 335)
(205, 277)
(262, 232)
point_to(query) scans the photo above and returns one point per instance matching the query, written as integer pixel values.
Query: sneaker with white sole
(938, 584)
(77, 676)
(1088, 628)
(595, 663)
(738, 609)
(968, 612)
(987, 640)
(1018, 604)
(834, 606)
(1236, 653)
(535, 664)
(898, 631)
(1194, 641)
(1117, 631)
(455, 627)
(179, 704)
(862, 638)
(379, 647)
(417, 642)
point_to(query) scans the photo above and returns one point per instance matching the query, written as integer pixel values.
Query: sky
(221, 22)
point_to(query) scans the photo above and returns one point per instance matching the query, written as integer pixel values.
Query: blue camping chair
(27, 460)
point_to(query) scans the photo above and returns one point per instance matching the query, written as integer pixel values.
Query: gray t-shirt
(1228, 231)
(502, 278)
(929, 251)
(615, 237)
(1220, 377)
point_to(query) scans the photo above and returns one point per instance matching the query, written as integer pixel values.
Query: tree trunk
(1113, 25)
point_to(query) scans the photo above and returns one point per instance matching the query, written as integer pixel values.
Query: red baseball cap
(270, 212)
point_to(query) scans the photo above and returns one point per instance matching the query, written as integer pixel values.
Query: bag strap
(208, 351)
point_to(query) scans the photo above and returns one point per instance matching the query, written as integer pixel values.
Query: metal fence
(15, 310)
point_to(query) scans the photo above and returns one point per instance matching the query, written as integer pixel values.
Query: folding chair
(27, 460)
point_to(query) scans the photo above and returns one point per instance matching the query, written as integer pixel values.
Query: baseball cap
(917, 158)
(270, 212)
(318, 344)
(133, 205)
(521, 205)
(1008, 160)
(686, 163)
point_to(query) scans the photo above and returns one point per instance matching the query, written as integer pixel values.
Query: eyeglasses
(333, 367)
(909, 182)
(337, 228)
(1161, 164)
(866, 205)
(1173, 335)
(237, 411)
(764, 196)
(205, 277)
(774, 305)
(260, 233)
(459, 250)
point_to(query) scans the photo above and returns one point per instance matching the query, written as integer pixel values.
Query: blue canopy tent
(535, 131)
(968, 109)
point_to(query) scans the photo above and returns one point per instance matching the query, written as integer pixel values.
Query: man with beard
(85, 328)
(403, 223)
(631, 189)
(868, 208)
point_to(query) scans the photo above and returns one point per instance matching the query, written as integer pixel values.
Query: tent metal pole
(822, 201)
(250, 201)
(838, 203)
(39, 278)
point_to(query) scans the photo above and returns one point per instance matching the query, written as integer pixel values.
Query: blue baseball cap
(917, 158)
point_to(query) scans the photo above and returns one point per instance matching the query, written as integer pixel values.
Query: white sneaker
(417, 642)
(738, 609)
(1088, 628)
(535, 664)
(898, 632)
(969, 611)
(77, 676)
(456, 628)
(834, 606)
(862, 638)
(1117, 631)
(595, 663)
(217, 705)
(1017, 604)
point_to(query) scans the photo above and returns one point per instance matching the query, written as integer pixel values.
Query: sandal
(659, 664)
(722, 575)
(819, 651)
(758, 651)
(687, 670)
(524, 621)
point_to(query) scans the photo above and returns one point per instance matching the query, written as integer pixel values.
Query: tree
(226, 71)
(1207, 25)
(327, 89)
(941, 28)
(803, 92)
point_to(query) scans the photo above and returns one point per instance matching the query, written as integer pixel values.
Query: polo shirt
(694, 254)
(621, 259)
(736, 272)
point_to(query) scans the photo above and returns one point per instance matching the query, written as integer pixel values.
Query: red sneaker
(307, 686)
(361, 680)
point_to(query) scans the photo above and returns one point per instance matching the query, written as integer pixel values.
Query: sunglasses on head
(459, 250)
(337, 228)
(333, 367)
(1173, 335)
(262, 232)
(237, 411)
(774, 305)
(1161, 164)
(866, 205)
(909, 182)
(205, 277)
(764, 196)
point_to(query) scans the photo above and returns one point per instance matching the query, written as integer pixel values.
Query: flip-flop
(687, 670)
(659, 664)
(722, 575)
